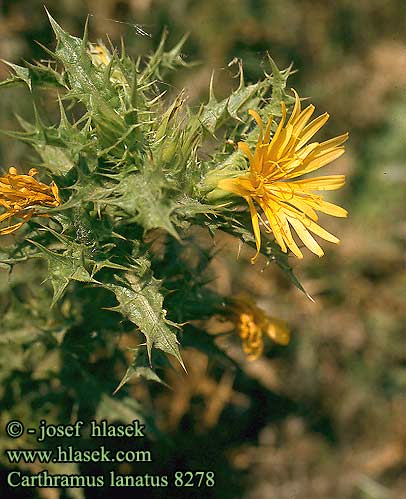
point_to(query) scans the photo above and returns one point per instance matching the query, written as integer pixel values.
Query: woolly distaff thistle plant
(123, 183)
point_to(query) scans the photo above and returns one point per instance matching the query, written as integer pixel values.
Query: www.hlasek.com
(72, 454)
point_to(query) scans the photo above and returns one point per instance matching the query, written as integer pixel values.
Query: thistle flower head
(268, 184)
(20, 197)
(252, 322)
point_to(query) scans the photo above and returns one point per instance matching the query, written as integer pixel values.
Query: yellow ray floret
(20, 197)
(269, 184)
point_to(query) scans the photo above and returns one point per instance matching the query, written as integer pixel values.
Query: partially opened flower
(101, 58)
(252, 323)
(268, 184)
(21, 196)
(99, 54)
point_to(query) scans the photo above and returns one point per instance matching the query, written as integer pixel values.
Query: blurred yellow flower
(268, 184)
(20, 195)
(252, 322)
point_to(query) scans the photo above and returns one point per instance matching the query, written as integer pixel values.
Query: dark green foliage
(127, 160)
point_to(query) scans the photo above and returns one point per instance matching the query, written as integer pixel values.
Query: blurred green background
(325, 416)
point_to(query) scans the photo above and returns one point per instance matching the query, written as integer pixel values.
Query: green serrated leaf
(162, 61)
(33, 75)
(141, 302)
(142, 198)
(56, 159)
(139, 368)
(90, 84)
(64, 268)
(215, 114)
(21, 74)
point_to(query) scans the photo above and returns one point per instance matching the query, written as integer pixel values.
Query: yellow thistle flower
(101, 57)
(252, 322)
(268, 184)
(99, 54)
(20, 195)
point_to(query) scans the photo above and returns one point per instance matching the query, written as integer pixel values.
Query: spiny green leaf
(33, 75)
(168, 116)
(56, 159)
(161, 61)
(279, 79)
(87, 82)
(215, 114)
(139, 368)
(142, 197)
(63, 268)
(21, 75)
(141, 302)
(58, 147)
